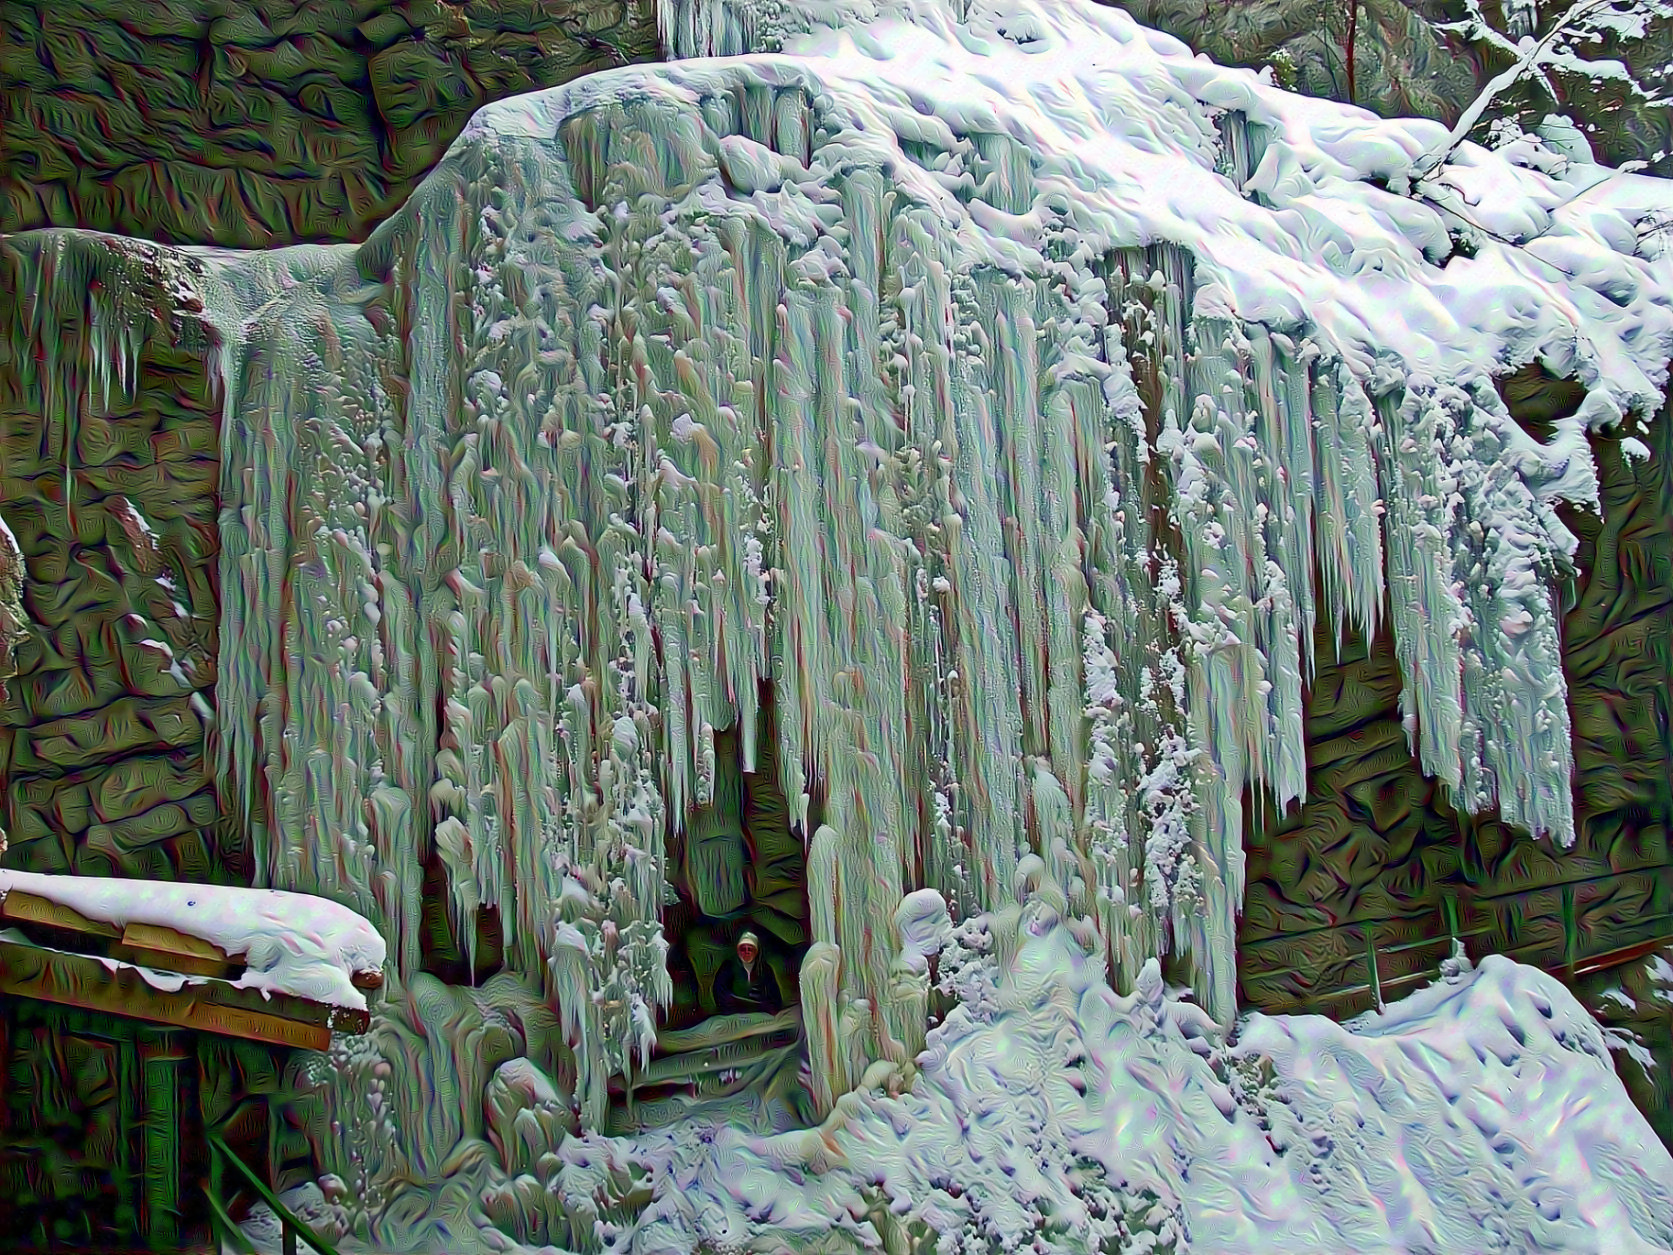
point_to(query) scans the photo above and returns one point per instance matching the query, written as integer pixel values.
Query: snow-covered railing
(282, 968)
(722, 1055)
(1385, 988)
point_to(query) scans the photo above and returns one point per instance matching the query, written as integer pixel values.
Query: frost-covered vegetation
(1004, 389)
(1561, 43)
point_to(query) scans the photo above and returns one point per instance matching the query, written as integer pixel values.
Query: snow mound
(1480, 1114)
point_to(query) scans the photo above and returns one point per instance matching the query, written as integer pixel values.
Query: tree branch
(1531, 57)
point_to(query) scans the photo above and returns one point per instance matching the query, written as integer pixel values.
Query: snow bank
(1479, 1114)
(291, 943)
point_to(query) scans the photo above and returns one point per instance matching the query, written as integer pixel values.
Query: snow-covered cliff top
(1573, 262)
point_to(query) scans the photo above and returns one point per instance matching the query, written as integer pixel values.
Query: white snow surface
(1479, 1114)
(292, 943)
(1116, 120)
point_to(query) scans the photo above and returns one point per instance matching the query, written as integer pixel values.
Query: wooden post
(130, 1103)
(1376, 981)
(1570, 933)
(217, 1194)
(163, 1059)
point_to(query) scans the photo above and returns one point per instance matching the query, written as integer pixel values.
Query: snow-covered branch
(1562, 49)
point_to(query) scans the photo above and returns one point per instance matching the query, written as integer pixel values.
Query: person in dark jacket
(746, 983)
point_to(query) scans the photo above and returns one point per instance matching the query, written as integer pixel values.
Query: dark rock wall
(103, 733)
(252, 125)
(194, 121)
(1618, 657)
(1374, 854)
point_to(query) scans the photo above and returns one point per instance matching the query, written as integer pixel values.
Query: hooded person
(744, 867)
(746, 983)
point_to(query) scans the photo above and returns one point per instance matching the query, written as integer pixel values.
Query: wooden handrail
(1614, 958)
(289, 1225)
(224, 1228)
(719, 1029)
(1566, 972)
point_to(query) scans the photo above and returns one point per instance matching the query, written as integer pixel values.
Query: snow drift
(1479, 1114)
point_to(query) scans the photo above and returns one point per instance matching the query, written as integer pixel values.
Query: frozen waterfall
(1005, 388)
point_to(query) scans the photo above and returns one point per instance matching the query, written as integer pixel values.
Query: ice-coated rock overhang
(991, 383)
(1021, 117)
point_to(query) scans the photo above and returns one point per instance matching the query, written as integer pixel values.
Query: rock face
(241, 125)
(1376, 846)
(1377, 858)
(251, 125)
(109, 481)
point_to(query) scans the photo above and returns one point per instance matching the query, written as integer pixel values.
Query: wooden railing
(1566, 971)
(727, 1052)
(222, 1225)
(1392, 966)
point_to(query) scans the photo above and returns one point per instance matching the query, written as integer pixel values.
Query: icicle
(857, 1041)
(821, 979)
(824, 885)
(906, 1015)
(708, 28)
(1429, 618)
(1346, 511)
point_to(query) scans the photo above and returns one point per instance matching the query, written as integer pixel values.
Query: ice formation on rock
(1007, 389)
(13, 617)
